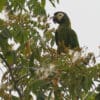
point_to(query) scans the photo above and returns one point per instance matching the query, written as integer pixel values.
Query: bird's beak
(51, 17)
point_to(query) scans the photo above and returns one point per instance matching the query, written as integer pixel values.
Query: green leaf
(11, 57)
(1, 24)
(57, 1)
(52, 42)
(43, 2)
(5, 33)
(40, 96)
(2, 4)
(97, 97)
(38, 9)
(37, 85)
(52, 2)
(87, 83)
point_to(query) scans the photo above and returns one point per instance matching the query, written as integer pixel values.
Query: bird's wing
(56, 37)
(72, 40)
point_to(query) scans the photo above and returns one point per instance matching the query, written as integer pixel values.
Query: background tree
(32, 64)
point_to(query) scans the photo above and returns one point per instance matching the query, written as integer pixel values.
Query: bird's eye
(60, 15)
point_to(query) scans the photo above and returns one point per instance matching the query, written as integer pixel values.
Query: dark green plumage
(65, 36)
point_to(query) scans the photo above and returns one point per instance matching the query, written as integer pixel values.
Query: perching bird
(65, 36)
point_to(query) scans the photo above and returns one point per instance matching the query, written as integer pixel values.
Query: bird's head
(61, 17)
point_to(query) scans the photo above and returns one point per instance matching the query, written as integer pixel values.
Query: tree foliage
(31, 61)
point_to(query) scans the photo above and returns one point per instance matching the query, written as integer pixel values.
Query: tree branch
(13, 79)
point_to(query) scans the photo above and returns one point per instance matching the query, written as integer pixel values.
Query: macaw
(65, 36)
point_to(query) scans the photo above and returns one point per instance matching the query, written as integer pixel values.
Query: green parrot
(65, 36)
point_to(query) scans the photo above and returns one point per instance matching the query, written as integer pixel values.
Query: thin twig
(13, 79)
(22, 77)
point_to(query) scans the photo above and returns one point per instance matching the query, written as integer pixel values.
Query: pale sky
(85, 19)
